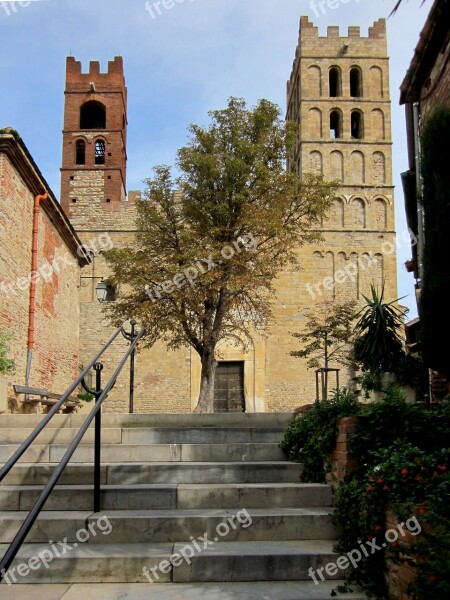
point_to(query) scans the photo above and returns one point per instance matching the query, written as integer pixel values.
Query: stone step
(182, 496)
(125, 453)
(177, 563)
(286, 590)
(201, 435)
(174, 421)
(162, 473)
(161, 526)
(64, 435)
(150, 435)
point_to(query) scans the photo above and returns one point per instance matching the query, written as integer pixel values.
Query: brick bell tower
(93, 174)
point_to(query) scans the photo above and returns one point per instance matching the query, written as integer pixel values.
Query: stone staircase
(192, 506)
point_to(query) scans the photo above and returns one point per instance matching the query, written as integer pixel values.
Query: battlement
(350, 46)
(307, 27)
(113, 77)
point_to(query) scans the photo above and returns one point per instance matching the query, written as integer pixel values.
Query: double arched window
(335, 82)
(100, 152)
(356, 90)
(80, 151)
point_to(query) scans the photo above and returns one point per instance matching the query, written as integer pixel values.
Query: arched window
(335, 124)
(80, 152)
(100, 151)
(335, 82)
(92, 115)
(355, 82)
(357, 125)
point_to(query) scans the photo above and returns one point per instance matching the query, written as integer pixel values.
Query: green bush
(404, 461)
(312, 436)
(404, 454)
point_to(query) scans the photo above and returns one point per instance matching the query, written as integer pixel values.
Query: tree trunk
(206, 397)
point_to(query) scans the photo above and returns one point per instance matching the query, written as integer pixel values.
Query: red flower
(385, 488)
(377, 527)
(369, 488)
(422, 510)
(442, 467)
(432, 578)
(379, 480)
(394, 544)
(405, 472)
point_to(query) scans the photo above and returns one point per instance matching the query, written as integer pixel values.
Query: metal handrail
(16, 544)
(49, 416)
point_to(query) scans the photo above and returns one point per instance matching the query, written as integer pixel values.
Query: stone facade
(59, 258)
(332, 79)
(359, 238)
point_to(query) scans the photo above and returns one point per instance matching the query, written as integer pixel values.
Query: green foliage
(328, 337)
(6, 364)
(233, 192)
(378, 346)
(312, 436)
(85, 396)
(435, 325)
(406, 466)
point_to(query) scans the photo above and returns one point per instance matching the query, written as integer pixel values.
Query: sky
(180, 62)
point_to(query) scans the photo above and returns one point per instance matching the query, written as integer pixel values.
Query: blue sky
(178, 65)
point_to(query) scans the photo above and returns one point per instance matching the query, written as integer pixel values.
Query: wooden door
(229, 387)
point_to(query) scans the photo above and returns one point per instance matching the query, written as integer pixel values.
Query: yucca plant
(378, 345)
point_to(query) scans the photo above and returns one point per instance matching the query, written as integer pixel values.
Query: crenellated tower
(338, 94)
(94, 140)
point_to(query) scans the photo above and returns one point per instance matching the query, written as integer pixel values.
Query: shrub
(312, 436)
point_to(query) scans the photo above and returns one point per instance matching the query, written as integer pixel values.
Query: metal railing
(100, 395)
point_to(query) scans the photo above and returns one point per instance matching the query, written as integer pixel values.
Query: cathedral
(338, 93)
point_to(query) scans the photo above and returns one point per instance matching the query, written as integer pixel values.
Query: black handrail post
(133, 334)
(98, 367)
(24, 530)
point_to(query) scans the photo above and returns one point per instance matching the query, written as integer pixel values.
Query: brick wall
(55, 358)
(341, 459)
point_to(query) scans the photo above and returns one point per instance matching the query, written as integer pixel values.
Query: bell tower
(93, 173)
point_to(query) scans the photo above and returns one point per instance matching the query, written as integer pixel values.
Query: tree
(6, 364)
(378, 345)
(211, 242)
(328, 337)
(435, 324)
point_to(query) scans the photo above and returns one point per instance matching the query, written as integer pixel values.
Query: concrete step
(259, 524)
(178, 563)
(162, 473)
(124, 453)
(287, 590)
(183, 496)
(114, 420)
